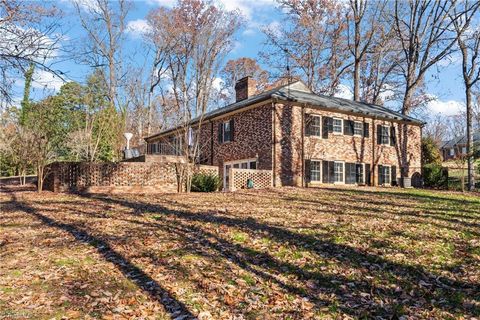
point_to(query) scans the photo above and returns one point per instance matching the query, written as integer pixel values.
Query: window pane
(315, 170)
(385, 135)
(359, 173)
(244, 165)
(337, 125)
(253, 165)
(226, 131)
(358, 128)
(315, 126)
(386, 175)
(338, 171)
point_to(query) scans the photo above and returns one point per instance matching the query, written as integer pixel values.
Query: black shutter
(366, 130)
(326, 127)
(393, 137)
(220, 132)
(379, 134)
(367, 174)
(350, 173)
(348, 127)
(331, 171)
(394, 175)
(381, 177)
(232, 130)
(325, 172)
(308, 122)
(307, 171)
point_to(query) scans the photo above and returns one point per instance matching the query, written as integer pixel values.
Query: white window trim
(223, 132)
(361, 134)
(321, 171)
(233, 162)
(320, 126)
(341, 127)
(343, 178)
(363, 172)
(390, 175)
(389, 132)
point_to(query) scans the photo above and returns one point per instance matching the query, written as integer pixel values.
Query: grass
(280, 254)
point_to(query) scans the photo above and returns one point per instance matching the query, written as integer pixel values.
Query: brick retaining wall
(122, 177)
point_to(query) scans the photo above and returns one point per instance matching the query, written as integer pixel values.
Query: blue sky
(446, 84)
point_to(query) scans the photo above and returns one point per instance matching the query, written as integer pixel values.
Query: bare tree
(236, 69)
(312, 44)
(468, 40)
(29, 34)
(191, 39)
(424, 31)
(364, 21)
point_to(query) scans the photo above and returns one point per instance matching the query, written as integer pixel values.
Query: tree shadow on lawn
(174, 307)
(427, 290)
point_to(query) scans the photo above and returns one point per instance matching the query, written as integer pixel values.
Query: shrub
(434, 176)
(204, 182)
(430, 152)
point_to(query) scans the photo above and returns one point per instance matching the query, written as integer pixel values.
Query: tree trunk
(40, 169)
(470, 159)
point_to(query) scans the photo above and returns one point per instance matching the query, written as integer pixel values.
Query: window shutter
(307, 171)
(379, 134)
(394, 175)
(367, 174)
(220, 132)
(331, 171)
(348, 127)
(232, 130)
(381, 178)
(330, 124)
(325, 172)
(325, 127)
(350, 173)
(393, 137)
(366, 130)
(308, 122)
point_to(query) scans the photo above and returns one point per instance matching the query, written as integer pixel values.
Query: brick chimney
(245, 88)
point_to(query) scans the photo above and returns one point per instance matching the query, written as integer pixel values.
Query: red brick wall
(288, 146)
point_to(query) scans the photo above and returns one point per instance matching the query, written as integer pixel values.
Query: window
(384, 175)
(358, 128)
(177, 145)
(360, 173)
(452, 152)
(315, 173)
(338, 172)
(337, 126)
(226, 131)
(252, 164)
(314, 126)
(384, 134)
(464, 150)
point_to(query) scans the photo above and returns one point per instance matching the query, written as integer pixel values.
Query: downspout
(374, 135)
(211, 143)
(274, 149)
(304, 184)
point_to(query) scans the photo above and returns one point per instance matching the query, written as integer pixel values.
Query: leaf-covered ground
(281, 254)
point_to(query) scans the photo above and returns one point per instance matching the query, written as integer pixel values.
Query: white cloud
(246, 7)
(344, 92)
(448, 108)
(46, 80)
(138, 27)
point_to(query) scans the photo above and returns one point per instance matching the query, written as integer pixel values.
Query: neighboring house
(458, 147)
(304, 138)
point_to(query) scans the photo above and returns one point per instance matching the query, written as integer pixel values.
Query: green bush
(434, 176)
(203, 182)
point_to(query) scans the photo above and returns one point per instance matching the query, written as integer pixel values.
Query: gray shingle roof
(298, 92)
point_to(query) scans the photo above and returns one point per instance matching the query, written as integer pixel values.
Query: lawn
(287, 253)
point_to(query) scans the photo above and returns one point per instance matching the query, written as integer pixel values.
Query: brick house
(457, 147)
(304, 138)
